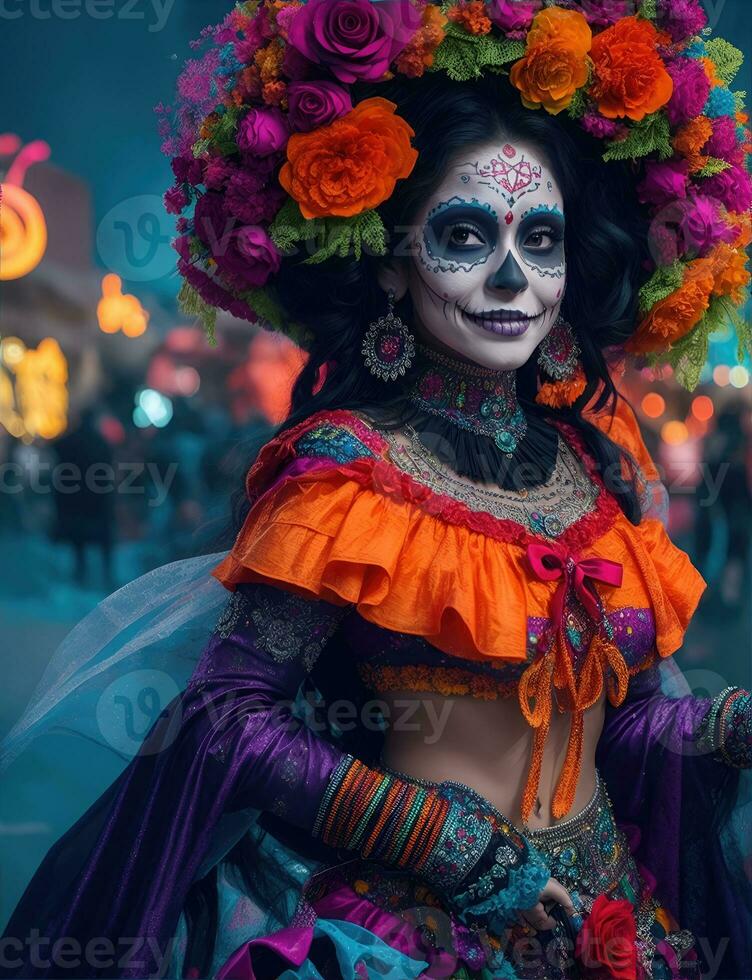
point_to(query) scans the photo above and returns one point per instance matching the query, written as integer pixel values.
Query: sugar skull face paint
(487, 269)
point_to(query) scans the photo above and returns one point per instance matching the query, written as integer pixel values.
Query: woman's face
(487, 271)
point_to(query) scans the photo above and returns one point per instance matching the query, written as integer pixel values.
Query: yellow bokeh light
(120, 311)
(739, 376)
(674, 433)
(653, 405)
(34, 392)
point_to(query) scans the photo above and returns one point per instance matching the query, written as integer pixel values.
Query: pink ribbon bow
(550, 562)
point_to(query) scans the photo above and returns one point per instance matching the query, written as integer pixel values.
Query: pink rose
(263, 131)
(315, 104)
(354, 38)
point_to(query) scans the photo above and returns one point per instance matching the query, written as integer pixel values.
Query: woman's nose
(509, 275)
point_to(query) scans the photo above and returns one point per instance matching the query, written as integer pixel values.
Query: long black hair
(606, 248)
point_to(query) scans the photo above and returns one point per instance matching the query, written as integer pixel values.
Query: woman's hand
(537, 916)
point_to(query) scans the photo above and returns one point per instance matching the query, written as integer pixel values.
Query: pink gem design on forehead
(513, 178)
(509, 217)
(508, 150)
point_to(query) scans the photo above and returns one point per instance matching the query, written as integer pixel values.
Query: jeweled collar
(477, 399)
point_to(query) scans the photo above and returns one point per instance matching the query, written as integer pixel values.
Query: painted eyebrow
(551, 209)
(458, 202)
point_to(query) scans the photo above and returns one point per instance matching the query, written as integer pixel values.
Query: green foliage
(649, 10)
(661, 284)
(689, 354)
(651, 135)
(714, 166)
(224, 133)
(577, 106)
(726, 58)
(191, 304)
(740, 101)
(269, 310)
(464, 56)
(328, 236)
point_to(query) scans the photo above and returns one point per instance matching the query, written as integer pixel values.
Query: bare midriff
(488, 746)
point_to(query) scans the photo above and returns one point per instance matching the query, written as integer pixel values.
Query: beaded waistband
(564, 830)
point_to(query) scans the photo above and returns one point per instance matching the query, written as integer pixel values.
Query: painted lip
(506, 323)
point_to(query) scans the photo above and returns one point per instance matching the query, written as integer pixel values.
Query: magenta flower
(211, 220)
(663, 182)
(263, 131)
(217, 172)
(315, 104)
(701, 225)
(251, 200)
(513, 17)
(604, 13)
(600, 127)
(175, 200)
(681, 18)
(733, 188)
(248, 257)
(187, 170)
(723, 141)
(691, 90)
(353, 38)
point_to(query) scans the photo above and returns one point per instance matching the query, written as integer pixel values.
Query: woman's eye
(466, 235)
(541, 239)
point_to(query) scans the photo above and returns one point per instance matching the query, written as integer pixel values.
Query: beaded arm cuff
(448, 834)
(726, 730)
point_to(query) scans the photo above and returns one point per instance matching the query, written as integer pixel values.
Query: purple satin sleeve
(229, 742)
(680, 798)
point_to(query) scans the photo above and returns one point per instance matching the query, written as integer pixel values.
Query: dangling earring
(559, 358)
(388, 346)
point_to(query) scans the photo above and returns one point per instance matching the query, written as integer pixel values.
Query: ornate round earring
(388, 346)
(559, 359)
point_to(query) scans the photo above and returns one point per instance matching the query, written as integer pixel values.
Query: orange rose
(350, 165)
(630, 77)
(673, 317)
(555, 64)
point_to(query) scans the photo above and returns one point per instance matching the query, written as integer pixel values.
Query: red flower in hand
(606, 942)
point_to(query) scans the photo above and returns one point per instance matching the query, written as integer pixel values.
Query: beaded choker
(478, 399)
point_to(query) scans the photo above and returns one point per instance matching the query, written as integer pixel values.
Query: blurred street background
(98, 367)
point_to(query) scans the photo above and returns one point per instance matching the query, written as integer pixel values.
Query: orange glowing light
(33, 389)
(23, 230)
(120, 311)
(674, 433)
(702, 408)
(653, 405)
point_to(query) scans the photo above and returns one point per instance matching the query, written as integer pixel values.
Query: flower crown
(270, 153)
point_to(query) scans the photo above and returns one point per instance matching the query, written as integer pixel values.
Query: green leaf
(191, 304)
(329, 236)
(266, 307)
(726, 58)
(649, 10)
(714, 166)
(661, 284)
(740, 100)
(651, 135)
(463, 56)
(576, 108)
(688, 356)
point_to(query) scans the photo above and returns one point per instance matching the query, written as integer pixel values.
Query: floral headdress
(269, 151)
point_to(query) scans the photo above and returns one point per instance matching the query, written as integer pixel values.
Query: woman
(455, 538)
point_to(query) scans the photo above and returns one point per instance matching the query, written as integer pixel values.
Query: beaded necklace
(477, 399)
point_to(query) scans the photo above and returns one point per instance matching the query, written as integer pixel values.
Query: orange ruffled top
(334, 517)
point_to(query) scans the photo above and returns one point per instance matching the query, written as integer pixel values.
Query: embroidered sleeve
(447, 833)
(726, 728)
(243, 703)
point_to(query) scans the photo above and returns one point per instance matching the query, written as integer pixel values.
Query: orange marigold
(711, 71)
(269, 60)
(555, 63)
(743, 221)
(471, 15)
(275, 93)
(673, 317)
(630, 77)
(731, 276)
(350, 165)
(561, 394)
(419, 53)
(691, 138)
